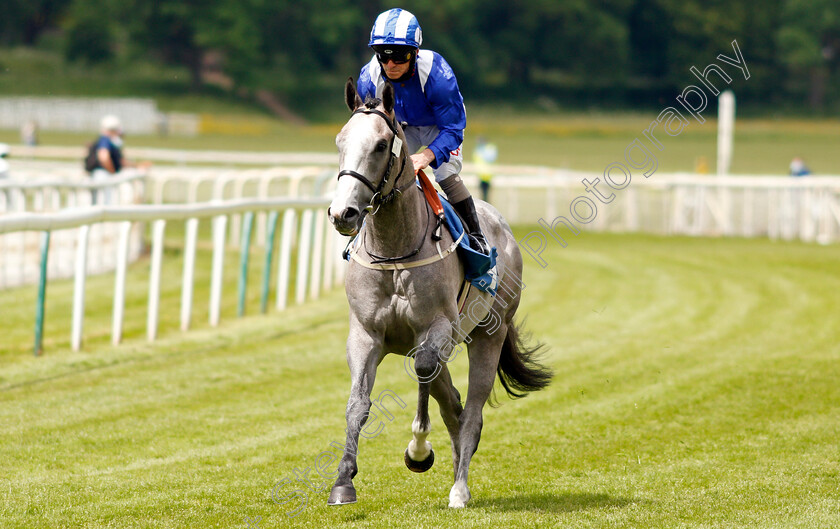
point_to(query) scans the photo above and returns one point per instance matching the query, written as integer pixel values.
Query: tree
(637, 51)
(557, 48)
(89, 40)
(166, 30)
(809, 39)
(184, 31)
(90, 36)
(22, 21)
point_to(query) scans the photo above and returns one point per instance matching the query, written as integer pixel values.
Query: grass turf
(695, 387)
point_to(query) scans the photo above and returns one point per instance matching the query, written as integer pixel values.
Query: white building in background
(77, 114)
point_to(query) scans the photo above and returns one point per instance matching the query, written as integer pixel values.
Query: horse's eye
(381, 146)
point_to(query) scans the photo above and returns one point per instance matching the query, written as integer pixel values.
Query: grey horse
(407, 296)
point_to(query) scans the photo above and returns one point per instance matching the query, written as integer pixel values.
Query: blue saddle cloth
(476, 265)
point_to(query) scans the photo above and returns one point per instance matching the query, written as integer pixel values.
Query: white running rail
(319, 250)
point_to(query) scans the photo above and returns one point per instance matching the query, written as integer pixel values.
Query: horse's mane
(372, 102)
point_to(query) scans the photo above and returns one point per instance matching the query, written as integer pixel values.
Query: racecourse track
(696, 386)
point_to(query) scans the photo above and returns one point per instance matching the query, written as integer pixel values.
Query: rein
(396, 149)
(392, 263)
(378, 259)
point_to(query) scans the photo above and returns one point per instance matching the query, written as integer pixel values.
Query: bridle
(378, 197)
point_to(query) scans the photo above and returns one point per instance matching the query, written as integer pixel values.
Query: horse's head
(369, 148)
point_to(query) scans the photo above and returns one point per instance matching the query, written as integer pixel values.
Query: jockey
(428, 104)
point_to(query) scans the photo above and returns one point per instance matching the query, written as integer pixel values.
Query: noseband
(396, 148)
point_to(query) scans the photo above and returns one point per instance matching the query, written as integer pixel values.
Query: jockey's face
(393, 70)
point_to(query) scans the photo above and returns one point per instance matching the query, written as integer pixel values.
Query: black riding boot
(466, 208)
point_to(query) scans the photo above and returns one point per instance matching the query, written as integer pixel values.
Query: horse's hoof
(419, 466)
(458, 497)
(342, 495)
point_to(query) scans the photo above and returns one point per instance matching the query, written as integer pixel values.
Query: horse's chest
(401, 290)
(401, 301)
(401, 296)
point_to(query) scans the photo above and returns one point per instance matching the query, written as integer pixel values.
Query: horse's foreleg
(484, 354)
(449, 401)
(419, 455)
(362, 357)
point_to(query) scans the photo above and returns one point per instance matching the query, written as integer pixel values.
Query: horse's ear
(351, 97)
(388, 97)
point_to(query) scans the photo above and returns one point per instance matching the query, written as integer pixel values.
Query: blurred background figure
(484, 157)
(701, 165)
(106, 158)
(29, 133)
(109, 156)
(798, 167)
(4, 165)
(4, 173)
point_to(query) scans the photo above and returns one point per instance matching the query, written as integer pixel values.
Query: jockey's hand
(422, 159)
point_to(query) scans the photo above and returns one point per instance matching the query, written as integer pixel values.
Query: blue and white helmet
(396, 26)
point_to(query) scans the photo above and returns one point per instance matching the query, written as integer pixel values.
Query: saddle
(479, 269)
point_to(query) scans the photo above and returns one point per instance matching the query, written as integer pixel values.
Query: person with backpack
(428, 104)
(105, 156)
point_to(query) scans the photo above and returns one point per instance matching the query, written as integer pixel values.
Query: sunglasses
(397, 56)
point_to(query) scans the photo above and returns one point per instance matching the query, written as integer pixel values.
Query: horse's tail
(519, 368)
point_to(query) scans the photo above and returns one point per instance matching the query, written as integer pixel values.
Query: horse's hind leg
(363, 352)
(484, 351)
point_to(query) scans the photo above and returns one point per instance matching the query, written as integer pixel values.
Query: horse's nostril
(350, 213)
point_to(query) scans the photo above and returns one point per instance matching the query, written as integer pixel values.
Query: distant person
(105, 157)
(701, 165)
(798, 167)
(29, 133)
(4, 165)
(4, 173)
(484, 157)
